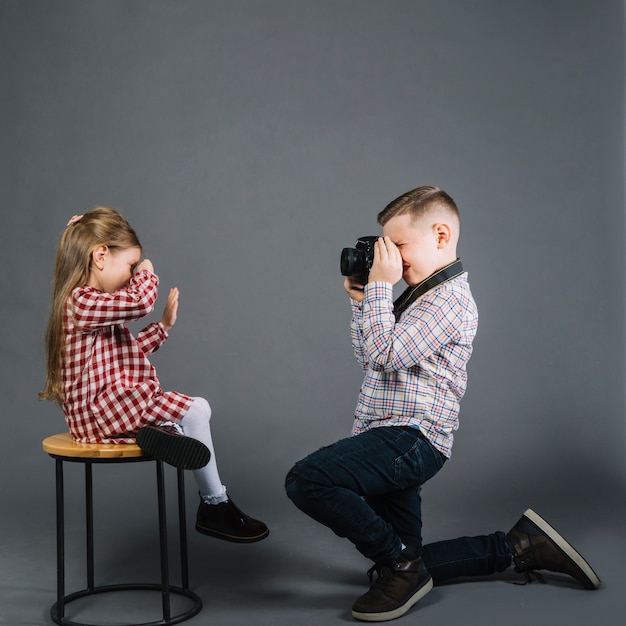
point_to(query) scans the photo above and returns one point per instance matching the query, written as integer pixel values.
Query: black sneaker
(398, 586)
(168, 444)
(227, 521)
(536, 545)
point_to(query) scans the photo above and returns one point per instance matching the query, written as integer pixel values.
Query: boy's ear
(99, 255)
(443, 232)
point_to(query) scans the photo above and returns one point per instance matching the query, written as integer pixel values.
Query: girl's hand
(171, 308)
(146, 264)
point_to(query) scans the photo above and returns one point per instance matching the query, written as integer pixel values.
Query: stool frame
(57, 611)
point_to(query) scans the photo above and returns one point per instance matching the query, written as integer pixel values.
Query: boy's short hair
(417, 203)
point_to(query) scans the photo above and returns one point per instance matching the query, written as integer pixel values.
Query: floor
(302, 574)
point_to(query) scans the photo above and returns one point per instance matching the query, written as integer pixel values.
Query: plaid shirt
(110, 389)
(415, 369)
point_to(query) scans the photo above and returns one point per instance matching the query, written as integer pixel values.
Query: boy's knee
(296, 484)
(291, 483)
(302, 483)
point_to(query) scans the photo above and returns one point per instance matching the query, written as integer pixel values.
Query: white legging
(196, 424)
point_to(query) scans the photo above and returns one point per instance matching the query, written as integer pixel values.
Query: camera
(358, 261)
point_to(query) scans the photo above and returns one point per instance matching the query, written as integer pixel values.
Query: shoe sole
(233, 538)
(385, 616)
(177, 450)
(593, 582)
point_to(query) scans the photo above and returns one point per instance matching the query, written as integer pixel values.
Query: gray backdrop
(248, 142)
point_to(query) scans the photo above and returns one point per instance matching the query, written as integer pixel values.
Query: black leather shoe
(226, 521)
(169, 445)
(398, 586)
(536, 545)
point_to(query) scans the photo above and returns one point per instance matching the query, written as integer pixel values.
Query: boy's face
(419, 243)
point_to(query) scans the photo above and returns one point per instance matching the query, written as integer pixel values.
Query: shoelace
(383, 572)
(528, 575)
(525, 560)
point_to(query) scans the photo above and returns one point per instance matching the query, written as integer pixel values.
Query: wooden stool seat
(63, 448)
(65, 445)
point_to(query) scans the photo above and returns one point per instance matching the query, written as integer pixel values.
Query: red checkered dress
(110, 389)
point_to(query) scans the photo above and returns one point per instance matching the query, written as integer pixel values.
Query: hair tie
(74, 219)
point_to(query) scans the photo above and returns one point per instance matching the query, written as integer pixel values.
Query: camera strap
(412, 293)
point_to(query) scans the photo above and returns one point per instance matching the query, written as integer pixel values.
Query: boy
(414, 354)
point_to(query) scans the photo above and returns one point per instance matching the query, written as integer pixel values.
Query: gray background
(248, 142)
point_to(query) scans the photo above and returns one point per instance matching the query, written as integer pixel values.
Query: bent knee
(294, 486)
(203, 406)
(290, 480)
(302, 481)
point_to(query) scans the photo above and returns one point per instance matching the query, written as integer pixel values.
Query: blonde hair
(99, 226)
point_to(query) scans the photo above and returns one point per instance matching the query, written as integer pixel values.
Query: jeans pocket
(418, 464)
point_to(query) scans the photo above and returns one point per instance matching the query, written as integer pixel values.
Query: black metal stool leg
(89, 525)
(165, 583)
(182, 526)
(60, 605)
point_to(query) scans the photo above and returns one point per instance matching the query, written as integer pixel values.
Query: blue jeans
(367, 488)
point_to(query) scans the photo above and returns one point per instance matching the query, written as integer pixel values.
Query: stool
(63, 448)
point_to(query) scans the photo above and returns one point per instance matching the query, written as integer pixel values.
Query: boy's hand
(354, 288)
(171, 308)
(387, 265)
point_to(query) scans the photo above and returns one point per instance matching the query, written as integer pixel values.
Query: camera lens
(351, 262)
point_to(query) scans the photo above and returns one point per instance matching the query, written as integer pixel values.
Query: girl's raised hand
(171, 309)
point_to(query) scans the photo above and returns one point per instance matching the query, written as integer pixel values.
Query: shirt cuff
(379, 290)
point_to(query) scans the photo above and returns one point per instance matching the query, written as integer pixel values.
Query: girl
(100, 376)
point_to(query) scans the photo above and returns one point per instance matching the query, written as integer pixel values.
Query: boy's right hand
(355, 289)
(146, 264)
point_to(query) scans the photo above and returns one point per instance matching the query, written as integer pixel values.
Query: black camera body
(358, 261)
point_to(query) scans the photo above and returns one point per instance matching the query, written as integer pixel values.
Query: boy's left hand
(171, 309)
(387, 265)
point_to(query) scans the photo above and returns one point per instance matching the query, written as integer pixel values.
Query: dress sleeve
(93, 309)
(152, 337)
